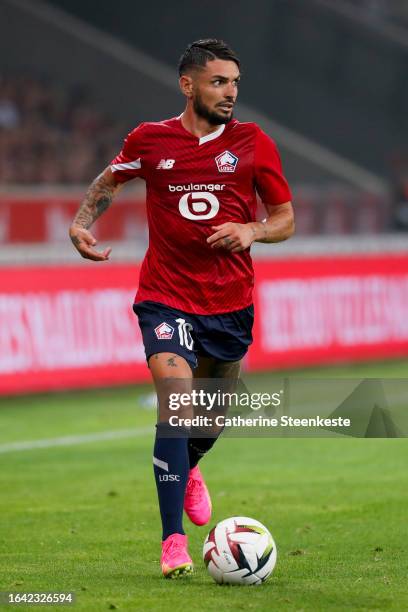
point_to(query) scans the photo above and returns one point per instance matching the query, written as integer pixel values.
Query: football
(239, 550)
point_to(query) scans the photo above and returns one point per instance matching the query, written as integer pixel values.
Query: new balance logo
(165, 164)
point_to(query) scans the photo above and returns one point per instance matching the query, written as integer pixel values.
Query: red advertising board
(325, 310)
(73, 326)
(69, 327)
(45, 218)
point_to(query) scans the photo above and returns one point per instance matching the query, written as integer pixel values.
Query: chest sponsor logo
(197, 187)
(164, 331)
(165, 164)
(199, 205)
(226, 162)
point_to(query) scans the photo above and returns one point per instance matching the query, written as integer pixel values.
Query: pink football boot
(197, 500)
(175, 560)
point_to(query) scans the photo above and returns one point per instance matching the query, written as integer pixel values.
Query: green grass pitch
(84, 517)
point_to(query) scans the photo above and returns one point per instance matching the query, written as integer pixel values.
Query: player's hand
(234, 237)
(84, 242)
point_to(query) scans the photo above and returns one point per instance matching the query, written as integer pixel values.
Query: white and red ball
(239, 550)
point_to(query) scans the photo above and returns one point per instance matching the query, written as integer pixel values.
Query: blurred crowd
(52, 135)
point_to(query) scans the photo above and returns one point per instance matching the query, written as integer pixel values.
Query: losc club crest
(226, 162)
(164, 331)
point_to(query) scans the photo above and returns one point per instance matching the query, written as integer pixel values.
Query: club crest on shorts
(226, 162)
(164, 331)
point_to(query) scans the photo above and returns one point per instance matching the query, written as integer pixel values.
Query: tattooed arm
(97, 199)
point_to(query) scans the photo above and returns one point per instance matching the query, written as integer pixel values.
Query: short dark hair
(202, 51)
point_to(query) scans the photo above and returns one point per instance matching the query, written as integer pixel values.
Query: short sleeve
(270, 182)
(128, 164)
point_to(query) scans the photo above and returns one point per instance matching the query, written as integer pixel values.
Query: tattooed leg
(171, 374)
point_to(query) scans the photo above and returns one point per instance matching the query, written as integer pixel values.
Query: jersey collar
(212, 135)
(207, 137)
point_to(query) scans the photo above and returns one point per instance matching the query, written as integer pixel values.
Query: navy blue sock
(199, 446)
(171, 467)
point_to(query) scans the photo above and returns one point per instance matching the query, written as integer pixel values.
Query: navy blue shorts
(169, 330)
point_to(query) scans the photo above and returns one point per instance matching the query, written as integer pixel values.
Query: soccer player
(203, 171)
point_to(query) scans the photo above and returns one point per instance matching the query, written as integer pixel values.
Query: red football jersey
(192, 184)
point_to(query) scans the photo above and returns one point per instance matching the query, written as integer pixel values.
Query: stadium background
(327, 80)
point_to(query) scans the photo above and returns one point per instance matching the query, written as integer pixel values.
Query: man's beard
(204, 112)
